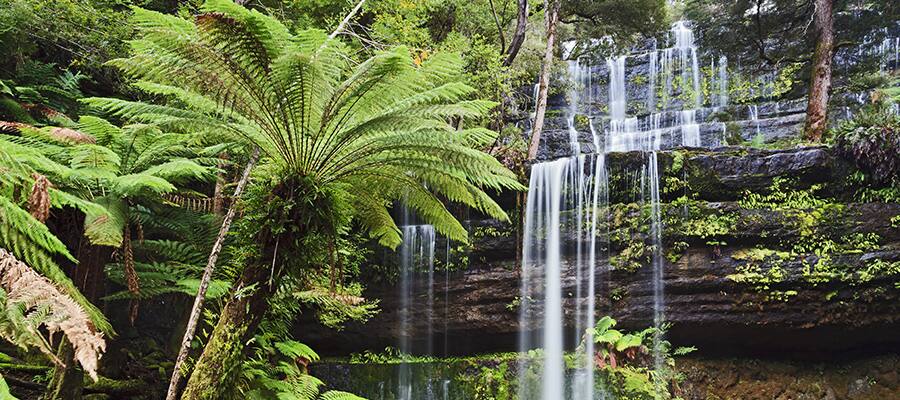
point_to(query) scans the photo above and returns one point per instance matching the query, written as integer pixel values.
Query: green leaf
(141, 184)
(95, 157)
(604, 324)
(103, 220)
(295, 349)
(610, 336)
(628, 341)
(180, 170)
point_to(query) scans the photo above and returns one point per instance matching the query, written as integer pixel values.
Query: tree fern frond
(94, 157)
(102, 225)
(180, 171)
(338, 395)
(294, 349)
(30, 290)
(139, 184)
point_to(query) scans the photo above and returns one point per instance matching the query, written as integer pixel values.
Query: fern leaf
(30, 290)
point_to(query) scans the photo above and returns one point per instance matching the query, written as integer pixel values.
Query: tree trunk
(207, 276)
(552, 18)
(218, 191)
(214, 369)
(67, 380)
(519, 37)
(817, 109)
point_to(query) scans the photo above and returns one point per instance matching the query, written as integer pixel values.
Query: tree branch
(499, 27)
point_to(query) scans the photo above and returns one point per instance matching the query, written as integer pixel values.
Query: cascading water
(753, 113)
(565, 200)
(565, 196)
(416, 259)
(617, 101)
(690, 129)
(723, 81)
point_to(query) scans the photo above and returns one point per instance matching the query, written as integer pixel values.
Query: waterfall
(690, 130)
(617, 101)
(723, 81)
(753, 111)
(416, 258)
(567, 202)
(564, 195)
(579, 75)
(653, 72)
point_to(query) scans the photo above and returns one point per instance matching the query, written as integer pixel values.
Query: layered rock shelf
(745, 271)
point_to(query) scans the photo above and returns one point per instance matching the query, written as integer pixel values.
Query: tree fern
(30, 240)
(343, 141)
(377, 131)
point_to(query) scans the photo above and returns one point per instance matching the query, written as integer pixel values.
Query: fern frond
(27, 289)
(139, 184)
(338, 395)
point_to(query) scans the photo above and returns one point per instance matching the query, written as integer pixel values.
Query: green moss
(631, 258)
(11, 110)
(690, 218)
(675, 251)
(761, 269)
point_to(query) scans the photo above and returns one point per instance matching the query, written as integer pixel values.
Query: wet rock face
(477, 309)
(874, 378)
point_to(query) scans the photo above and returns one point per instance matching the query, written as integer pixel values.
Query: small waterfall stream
(416, 259)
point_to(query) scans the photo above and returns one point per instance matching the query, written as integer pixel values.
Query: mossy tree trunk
(283, 217)
(237, 324)
(820, 85)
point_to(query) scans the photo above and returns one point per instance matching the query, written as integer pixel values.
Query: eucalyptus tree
(341, 142)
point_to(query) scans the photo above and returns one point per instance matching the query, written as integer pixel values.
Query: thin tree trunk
(237, 323)
(207, 276)
(346, 19)
(499, 27)
(218, 192)
(820, 85)
(519, 36)
(552, 19)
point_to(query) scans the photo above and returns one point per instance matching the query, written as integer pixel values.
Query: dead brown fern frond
(39, 199)
(71, 136)
(131, 276)
(36, 294)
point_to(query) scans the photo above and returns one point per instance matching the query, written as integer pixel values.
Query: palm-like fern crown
(377, 131)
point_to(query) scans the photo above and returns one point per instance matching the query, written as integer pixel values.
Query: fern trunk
(67, 380)
(89, 277)
(219, 361)
(197, 308)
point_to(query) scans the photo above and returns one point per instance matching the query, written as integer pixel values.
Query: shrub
(872, 141)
